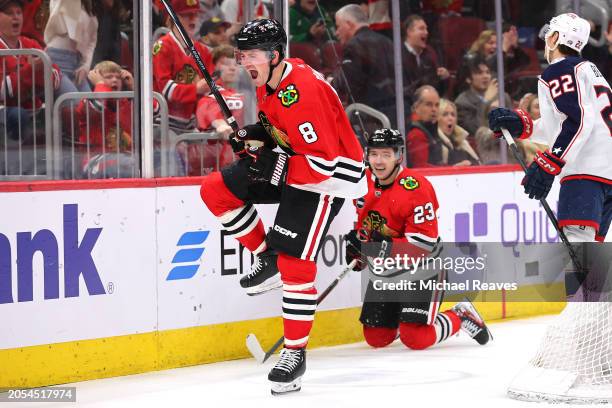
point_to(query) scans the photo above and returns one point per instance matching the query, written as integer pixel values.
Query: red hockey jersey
(175, 75)
(307, 120)
(208, 109)
(18, 77)
(115, 130)
(35, 16)
(405, 210)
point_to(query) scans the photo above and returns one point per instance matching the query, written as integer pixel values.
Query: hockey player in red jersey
(398, 215)
(320, 165)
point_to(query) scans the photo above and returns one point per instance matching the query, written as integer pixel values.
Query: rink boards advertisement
(150, 262)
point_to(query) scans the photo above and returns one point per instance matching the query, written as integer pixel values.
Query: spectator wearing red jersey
(107, 76)
(23, 76)
(105, 125)
(175, 73)
(35, 16)
(210, 117)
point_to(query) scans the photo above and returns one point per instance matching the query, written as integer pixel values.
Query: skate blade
(279, 388)
(266, 286)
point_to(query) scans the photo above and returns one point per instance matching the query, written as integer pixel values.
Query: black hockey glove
(541, 173)
(353, 241)
(380, 246)
(517, 122)
(267, 166)
(253, 135)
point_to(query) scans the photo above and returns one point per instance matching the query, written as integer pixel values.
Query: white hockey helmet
(573, 30)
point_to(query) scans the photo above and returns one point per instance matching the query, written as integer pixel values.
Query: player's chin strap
(269, 89)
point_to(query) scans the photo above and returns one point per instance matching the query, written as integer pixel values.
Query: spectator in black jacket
(367, 62)
(419, 60)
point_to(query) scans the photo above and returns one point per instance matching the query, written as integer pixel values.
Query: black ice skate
(472, 323)
(286, 376)
(264, 275)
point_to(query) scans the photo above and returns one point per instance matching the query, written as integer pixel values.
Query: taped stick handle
(198, 60)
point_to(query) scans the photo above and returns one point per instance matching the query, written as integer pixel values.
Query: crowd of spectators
(446, 98)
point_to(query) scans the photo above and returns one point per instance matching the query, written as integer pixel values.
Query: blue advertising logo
(187, 258)
(78, 261)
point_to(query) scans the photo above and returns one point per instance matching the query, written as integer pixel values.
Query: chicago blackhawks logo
(278, 135)
(376, 222)
(125, 140)
(187, 75)
(409, 183)
(157, 47)
(288, 96)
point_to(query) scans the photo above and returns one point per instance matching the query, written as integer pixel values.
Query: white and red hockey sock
(299, 299)
(421, 336)
(240, 220)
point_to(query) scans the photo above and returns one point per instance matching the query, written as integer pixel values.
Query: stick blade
(255, 349)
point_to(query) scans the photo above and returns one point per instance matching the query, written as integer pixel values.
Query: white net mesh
(580, 342)
(574, 360)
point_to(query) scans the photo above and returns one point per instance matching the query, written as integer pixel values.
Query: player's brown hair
(221, 51)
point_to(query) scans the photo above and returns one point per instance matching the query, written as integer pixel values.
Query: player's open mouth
(254, 73)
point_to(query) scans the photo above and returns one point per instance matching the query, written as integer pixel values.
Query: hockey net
(574, 361)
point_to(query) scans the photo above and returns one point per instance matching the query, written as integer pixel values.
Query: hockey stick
(255, 347)
(551, 216)
(198, 60)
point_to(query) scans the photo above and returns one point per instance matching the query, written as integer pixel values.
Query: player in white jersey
(576, 123)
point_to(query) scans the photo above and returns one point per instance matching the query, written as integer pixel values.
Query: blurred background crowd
(69, 68)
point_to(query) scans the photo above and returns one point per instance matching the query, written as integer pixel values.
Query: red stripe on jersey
(586, 177)
(586, 223)
(319, 227)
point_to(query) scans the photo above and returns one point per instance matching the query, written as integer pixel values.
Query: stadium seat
(457, 34)
(306, 51)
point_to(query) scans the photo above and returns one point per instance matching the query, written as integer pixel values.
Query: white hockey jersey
(576, 118)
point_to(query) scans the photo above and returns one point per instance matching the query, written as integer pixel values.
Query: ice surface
(456, 373)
